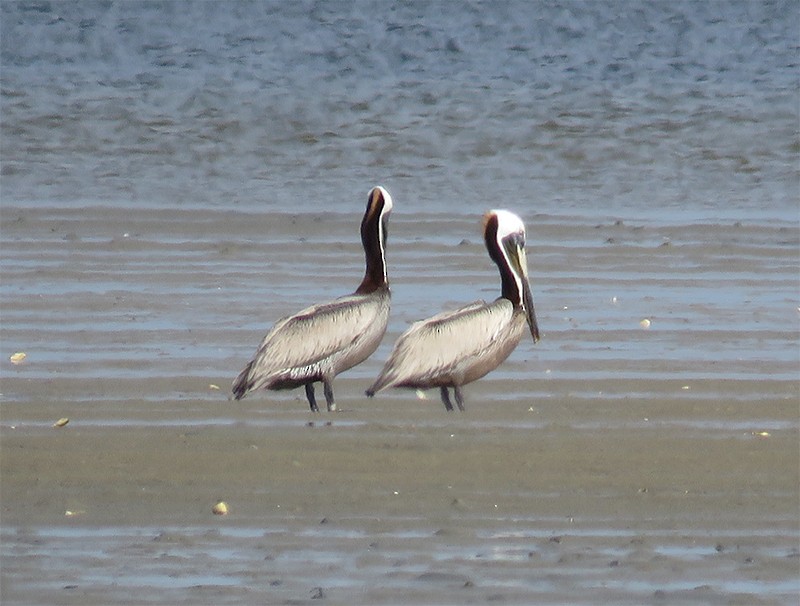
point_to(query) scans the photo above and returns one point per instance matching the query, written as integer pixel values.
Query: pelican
(321, 341)
(457, 347)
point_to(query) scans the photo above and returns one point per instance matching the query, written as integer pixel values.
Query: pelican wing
(313, 335)
(438, 346)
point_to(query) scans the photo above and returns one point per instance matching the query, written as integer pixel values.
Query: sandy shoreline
(607, 464)
(396, 499)
(498, 452)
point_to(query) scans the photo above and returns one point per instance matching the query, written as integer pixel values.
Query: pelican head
(504, 233)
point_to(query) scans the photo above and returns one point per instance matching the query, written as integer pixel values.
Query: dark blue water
(647, 110)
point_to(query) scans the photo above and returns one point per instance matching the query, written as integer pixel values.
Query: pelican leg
(312, 401)
(327, 386)
(459, 397)
(446, 399)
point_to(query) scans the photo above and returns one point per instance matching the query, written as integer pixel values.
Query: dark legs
(448, 406)
(459, 397)
(446, 398)
(328, 389)
(312, 401)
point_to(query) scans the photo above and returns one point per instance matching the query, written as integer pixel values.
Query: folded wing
(309, 338)
(439, 346)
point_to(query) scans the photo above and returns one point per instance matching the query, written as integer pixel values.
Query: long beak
(527, 297)
(530, 313)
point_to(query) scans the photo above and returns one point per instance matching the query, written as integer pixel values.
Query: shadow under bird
(324, 340)
(457, 347)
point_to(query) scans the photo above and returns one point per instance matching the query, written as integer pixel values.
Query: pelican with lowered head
(457, 347)
(324, 340)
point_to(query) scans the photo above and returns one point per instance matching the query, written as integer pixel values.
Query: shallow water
(176, 177)
(721, 299)
(181, 558)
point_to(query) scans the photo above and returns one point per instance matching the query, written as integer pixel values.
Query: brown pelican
(457, 347)
(321, 341)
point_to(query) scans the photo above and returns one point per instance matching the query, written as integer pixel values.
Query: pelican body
(321, 341)
(457, 347)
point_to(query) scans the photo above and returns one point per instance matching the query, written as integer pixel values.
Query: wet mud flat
(607, 464)
(396, 501)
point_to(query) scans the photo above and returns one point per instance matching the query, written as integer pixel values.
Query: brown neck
(373, 231)
(510, 289)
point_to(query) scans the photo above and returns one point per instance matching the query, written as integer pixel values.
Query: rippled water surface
(647, 109)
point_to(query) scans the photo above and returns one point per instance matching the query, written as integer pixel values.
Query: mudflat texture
(610, 463)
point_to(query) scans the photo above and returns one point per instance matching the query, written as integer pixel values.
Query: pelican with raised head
(457, 347)
(321, 341)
